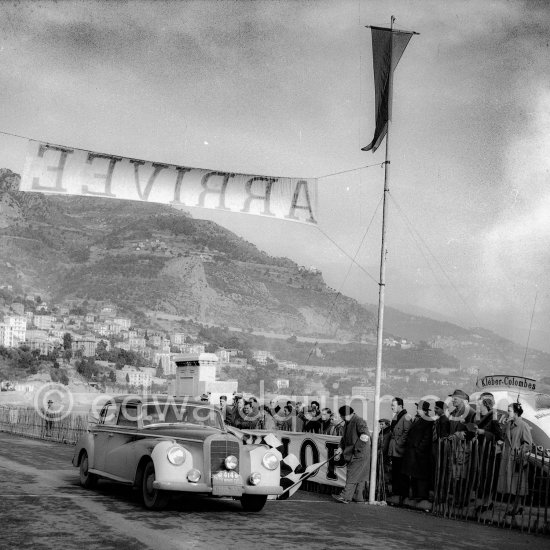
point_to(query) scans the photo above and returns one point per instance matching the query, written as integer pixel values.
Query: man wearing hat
(416, 460)
(48, 417)
(355, 449)
(461, 413)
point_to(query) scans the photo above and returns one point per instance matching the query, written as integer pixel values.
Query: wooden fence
(43, 425)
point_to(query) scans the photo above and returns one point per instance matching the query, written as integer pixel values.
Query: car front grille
(219, 451)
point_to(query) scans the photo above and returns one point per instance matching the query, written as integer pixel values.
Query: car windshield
(181, 413)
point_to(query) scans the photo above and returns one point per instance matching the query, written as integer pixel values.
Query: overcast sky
(286, 88)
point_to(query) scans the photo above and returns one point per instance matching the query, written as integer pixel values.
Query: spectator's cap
(460, 393)
(50, 401)
(385, 420)
(205, 397)
(424, 405)
(237, 395)
(440, 405)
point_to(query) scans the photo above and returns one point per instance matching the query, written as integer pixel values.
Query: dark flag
(387, 48)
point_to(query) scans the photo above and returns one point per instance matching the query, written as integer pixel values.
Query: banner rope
(315, 177)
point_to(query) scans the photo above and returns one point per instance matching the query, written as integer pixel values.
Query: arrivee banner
(68, 171)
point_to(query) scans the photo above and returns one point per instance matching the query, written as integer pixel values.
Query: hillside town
(111, 353)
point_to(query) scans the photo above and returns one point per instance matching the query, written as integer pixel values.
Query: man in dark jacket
(399, 429)
(355, 450)
(416, 461)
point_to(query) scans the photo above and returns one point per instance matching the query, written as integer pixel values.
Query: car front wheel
(253, 503)
(87, 480)
(153, 499)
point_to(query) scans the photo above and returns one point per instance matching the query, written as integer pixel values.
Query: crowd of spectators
(291, 416)
(418, 450)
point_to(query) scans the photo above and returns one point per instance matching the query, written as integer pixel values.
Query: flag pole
(382, 286)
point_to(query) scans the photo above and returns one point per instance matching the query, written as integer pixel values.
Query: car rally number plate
(227, 484)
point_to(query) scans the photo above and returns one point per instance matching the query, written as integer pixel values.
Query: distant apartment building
(13, 331)
(155, 340)
(123, 322)
(193, 348)
(86, 344)
(134, 376)
(136, 343)
(178, 338)
(262, 356)
(101, 328)
(39, 340)
(43, 306)
(89, 318)
(113, 328)
(165, 361)
(223, 355)
(43, 322)
(107, 312)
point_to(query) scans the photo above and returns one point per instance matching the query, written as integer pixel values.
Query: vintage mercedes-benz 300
(163, 445)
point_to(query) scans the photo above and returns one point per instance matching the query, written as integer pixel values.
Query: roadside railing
(47, 425)
(480, 481)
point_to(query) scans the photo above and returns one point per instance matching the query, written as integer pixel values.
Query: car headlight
(255, 478)
(193, 475)
(270, 461)
(176, 455)
(231, 462)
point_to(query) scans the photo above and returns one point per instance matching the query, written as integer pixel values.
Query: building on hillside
(39, 340)
(43, 322)
(133, 376)
(223, 355)
(164, 360)
(123, 322)
(262, 356)
(136, 343)
(86, 344)
(107, 312)
(13, 331)
(178, 338)
(193, 348)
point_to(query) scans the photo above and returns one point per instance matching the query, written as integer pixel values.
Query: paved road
(42, 506)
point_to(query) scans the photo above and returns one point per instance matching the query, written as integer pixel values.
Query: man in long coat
(416, 461)
(355, 450)
(399, 429)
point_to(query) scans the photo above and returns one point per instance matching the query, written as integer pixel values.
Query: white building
(123, 322)
(134, 376)
(43, 322)
(178, 338)
(13, 331)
